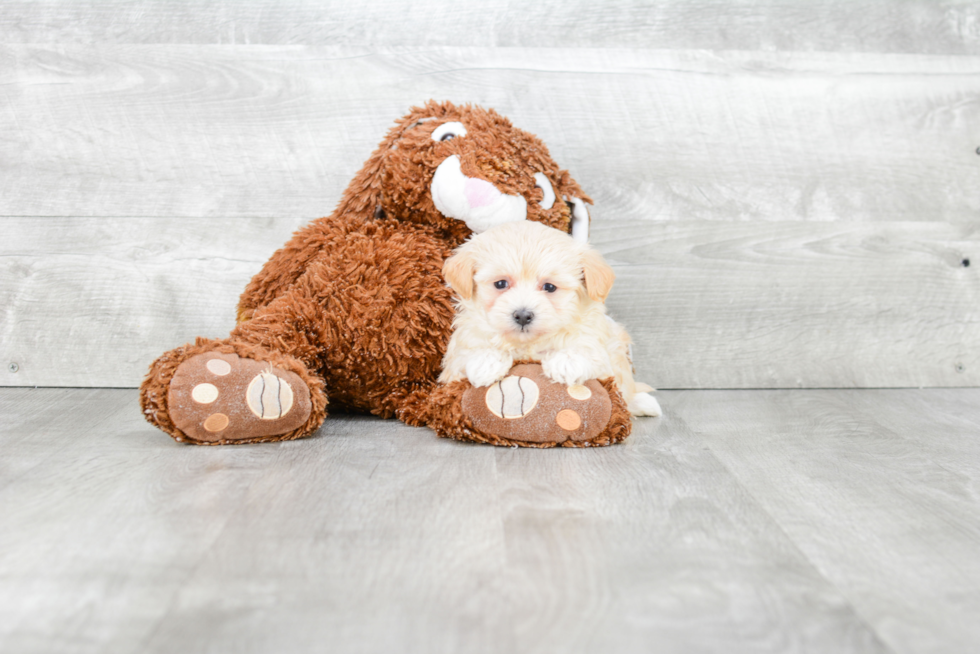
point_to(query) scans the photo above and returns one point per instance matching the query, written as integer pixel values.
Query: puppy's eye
(549, 288)
(541, 182)
(500, 284)
(448, 131)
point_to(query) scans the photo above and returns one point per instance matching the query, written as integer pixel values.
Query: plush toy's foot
(528, 409)
(222, 397)
(220, 392)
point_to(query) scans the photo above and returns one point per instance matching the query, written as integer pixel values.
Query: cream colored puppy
(527, 291)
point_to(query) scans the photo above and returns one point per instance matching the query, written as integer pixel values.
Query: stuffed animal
(353, 312)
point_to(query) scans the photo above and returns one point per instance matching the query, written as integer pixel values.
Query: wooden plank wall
(790, 193)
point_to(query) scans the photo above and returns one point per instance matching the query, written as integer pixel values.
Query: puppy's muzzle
(523, 317)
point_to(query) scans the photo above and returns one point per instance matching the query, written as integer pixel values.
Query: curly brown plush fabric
(355, 303)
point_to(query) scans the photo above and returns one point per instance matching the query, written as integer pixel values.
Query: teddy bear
(353, 312)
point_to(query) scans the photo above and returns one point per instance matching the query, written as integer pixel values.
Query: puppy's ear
(458, 271)
(599, 276)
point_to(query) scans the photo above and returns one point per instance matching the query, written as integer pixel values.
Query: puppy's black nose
(522, 317)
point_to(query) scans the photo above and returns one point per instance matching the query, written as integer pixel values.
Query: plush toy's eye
(542, 183)
(448, 131)
(549, 288)
(500, 284)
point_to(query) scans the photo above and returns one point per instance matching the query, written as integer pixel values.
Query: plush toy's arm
(279, 272)
(289, 262)
(359, 203)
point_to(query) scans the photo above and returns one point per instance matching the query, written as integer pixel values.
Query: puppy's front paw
(567, 367)
(487, 366)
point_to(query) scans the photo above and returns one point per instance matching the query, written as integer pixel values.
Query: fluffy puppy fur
(528, 291)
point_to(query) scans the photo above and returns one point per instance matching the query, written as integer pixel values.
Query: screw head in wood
(13, 367)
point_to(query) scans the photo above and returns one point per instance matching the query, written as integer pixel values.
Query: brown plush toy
(354, 310)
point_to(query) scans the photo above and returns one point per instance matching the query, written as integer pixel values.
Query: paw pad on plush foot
(527, 406)
(217, 397)
(512, 397)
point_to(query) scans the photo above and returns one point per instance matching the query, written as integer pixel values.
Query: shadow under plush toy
(354, 310)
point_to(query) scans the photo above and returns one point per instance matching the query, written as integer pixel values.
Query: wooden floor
(743, 521)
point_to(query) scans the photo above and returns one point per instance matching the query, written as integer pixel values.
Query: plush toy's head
(463, 170)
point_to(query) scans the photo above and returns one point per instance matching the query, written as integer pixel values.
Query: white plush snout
(476, 202)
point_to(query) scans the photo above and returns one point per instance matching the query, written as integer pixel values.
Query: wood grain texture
(919, 414)
(208, 131)
(867, 486)
(650, 547)
(784, 305)
(91, 302)
(373, 536)
(920, 26)
(102, 508)
(32, 417)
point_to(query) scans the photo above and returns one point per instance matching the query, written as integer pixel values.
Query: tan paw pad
(216, 422)
(579, 392)
(219, 367)
(205, 393)
(568, 420)
(269, 397)
(512, 397)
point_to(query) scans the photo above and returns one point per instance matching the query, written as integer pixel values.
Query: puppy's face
(527, 281)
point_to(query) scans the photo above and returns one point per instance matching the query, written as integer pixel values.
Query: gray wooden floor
(744, 521)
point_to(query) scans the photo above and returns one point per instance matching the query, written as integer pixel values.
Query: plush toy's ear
(458, 271)
(364, 195)
(599, 277)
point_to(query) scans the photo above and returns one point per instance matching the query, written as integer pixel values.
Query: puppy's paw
(566, 367)
(487, 366)
(644, 404)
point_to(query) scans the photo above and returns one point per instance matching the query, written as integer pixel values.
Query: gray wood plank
(554, 579)
(828, 25)
(372, 536)
(91, 302)
(652, 547)
(98, 537)
(34, 419)
(93, 308)
(920, 414)
(875, 507)
(804, 305)
(24, 413)
(388, 539)
(144, 130)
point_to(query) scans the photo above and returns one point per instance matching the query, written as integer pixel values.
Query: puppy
(527, 291)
